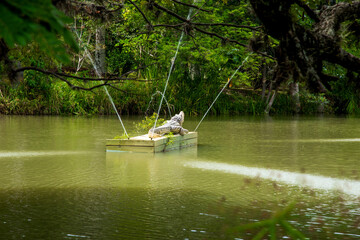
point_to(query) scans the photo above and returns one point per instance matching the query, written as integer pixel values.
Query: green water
(57, 181)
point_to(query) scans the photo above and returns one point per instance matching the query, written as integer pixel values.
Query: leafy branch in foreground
(24, 21)
(269, 226)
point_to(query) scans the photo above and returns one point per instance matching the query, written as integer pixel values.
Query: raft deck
(147, 145)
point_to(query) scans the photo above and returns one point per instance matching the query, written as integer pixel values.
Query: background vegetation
(45, 35)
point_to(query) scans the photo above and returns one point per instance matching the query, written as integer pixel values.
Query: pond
(58, 182)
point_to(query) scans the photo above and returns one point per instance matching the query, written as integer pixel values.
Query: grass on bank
(42, 95)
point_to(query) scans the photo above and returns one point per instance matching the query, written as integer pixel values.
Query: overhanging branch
(122, 77)
(63, 76)
(169, 12)
(74, 7)
(142, 13)
(308, 10)
(212, 34)
(227, 25)
(332, 16)
(192, 6)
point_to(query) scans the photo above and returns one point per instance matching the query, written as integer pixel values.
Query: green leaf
(25, 21)
(293, 232)
(261, 234)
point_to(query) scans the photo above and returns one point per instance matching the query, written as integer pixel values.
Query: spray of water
(348, 186)
(222, 91)
(152, 98)
(106, 90)
(171, 69)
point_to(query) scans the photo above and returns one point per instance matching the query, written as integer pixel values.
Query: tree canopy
(310, 44)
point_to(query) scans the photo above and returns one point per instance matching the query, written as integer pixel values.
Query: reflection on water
(38, 154)
(58, 182)
(301, 179)
(319, 140)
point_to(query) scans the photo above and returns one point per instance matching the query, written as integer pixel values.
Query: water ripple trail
(351, 187)
(38, 153)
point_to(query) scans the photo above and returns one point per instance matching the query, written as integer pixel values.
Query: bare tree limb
(331, 17)
(200, 24)
(169, 12)
(227, 25)
(168, 25)
(131, 71)
(91, 9)
(142, 13)
(197, 12)
(70, 76)
(122, 77)
(308, 10)
(192, 6)
(121, 90)
(264, 55)
(214, 35)
(188, 22)
(220, 37)
(62, 76)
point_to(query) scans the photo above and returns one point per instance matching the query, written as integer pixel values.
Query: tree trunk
(267, 110)
(10, 65)
(263, 80)
(294, 93)
(302, 51)
(100, 53)
(269, 93)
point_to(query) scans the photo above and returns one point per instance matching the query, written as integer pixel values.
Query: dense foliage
(35, 20)
(42, 71)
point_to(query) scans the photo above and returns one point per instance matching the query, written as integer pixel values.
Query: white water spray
(106, 90)
(152, 97)
(222, 91)
(171, 68)
(329, 140)
(348, 186)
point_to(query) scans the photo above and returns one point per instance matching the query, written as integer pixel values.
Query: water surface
(57, 181)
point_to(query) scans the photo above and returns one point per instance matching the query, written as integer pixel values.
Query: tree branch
(167, 25)
(227, 25)
(121, 90)
(332, 17)
(264, 55)
(62, 76)
(131, 71)
(192, 6)
(84, 78)
(308, 10)
(169, 12)
(175, 27)
(188, 22)
(142, 13)
(214, 35)
(220, 37)
(200, 24)
(74, 7)
(339, 56)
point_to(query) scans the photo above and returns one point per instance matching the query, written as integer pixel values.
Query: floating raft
(147, 145)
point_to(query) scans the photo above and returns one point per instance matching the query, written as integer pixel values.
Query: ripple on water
(49, 169)
(22, 154)
(351, 187)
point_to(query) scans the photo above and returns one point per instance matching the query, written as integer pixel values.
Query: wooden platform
(144, 144)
